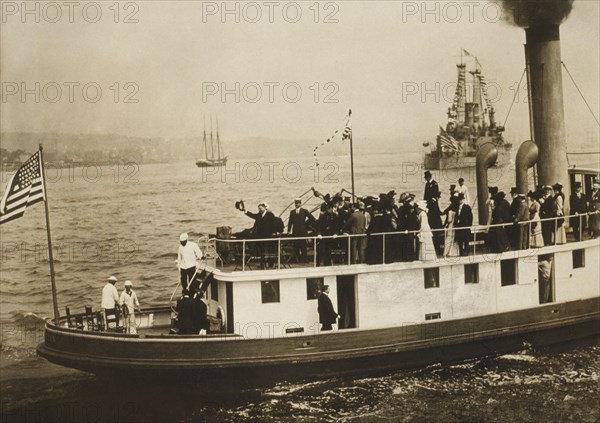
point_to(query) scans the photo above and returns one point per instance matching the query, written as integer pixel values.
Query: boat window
(508, 272)
(432, 277)
(313, 287)
(269, 291)
(433, 316)
(472, 273)
(578, 258)
(214, 290)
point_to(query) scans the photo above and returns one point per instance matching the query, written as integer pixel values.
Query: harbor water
(125, 220)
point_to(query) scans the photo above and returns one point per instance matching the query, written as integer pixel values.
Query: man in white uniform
(187, 257)
(130, 301)
(110, 297)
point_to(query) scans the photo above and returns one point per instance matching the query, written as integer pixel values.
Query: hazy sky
(375, 57)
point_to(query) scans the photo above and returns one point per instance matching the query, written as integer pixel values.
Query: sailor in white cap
(188, 256)
(299, 222)
(129, 303)
(110, 296)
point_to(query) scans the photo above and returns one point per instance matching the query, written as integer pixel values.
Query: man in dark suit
(432, 190)
(514, 211)
(264, 227)
(357, 225)
(547, 211)
(200, 311)
(579, 207)
(185, 314)
(462, 224)
(434, 216)
(327, 315)
(298, 223)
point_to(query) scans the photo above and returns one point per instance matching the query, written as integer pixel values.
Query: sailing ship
(212, 154)
(264, 322)
(469, 126)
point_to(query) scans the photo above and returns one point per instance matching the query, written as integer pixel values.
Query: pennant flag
(25, 188)
(346, 134)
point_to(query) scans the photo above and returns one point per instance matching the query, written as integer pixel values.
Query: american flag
(447, 141)
(25, 188)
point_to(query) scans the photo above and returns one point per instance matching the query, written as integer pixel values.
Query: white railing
(270, 249)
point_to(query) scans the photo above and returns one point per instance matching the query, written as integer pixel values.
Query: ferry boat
(470, 125)
(265, 325)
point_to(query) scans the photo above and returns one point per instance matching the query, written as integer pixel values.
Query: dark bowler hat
(391, 194)
(403, 197)
(239, 205)
(514, 190)
(493, 190)
(427, 173)
(499, 196)
(577, 185)
(557, 186)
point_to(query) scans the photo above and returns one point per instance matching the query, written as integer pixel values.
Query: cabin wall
(254, 319)
(397, 298)
(575, 284)
(472, 299)
(523, 294)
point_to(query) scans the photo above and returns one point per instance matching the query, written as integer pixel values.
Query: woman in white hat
(426, 247)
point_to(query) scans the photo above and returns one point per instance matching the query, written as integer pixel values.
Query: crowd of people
(365, 220)
(419, 229)
(538, 219)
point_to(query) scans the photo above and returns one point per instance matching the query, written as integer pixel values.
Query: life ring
(221, 315)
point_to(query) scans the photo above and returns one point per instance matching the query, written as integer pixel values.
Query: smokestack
(486, 158)
(526, 157)
(546, 97)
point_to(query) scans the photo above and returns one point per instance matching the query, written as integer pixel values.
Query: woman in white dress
(561, 234)
(536, 239)
(426, 247)
(450, 244)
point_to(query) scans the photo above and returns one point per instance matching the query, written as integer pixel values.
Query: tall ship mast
(470, 125)
(212, 154)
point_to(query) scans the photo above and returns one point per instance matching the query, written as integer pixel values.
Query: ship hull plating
(456, 161)
(228, 358)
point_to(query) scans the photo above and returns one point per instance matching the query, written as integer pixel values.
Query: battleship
(470, 125)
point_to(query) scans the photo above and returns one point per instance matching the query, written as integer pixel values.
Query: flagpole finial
(41, 146)
(349, 112)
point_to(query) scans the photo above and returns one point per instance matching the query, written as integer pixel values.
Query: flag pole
(50, 256)
(351, 159)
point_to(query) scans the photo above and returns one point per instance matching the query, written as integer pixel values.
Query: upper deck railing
(390, 247)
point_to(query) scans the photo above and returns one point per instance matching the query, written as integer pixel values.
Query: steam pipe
(526, 157)
(486, 158)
